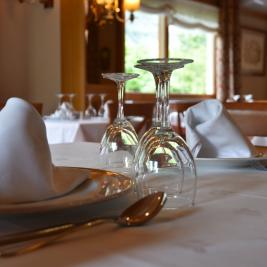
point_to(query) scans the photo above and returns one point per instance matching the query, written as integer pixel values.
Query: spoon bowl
(143, 210)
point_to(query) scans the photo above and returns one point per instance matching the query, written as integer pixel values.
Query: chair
(251, 117)
(37, 105)
(132, 111)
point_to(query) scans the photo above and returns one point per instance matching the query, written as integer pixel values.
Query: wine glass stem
(89, 101)
(157, 118)
(164, 99)
(121, 88)
(71, 101)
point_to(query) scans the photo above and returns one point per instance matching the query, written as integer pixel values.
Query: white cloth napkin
(211, 132)
(26, 170)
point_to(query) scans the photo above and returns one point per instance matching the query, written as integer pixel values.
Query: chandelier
(103, 11)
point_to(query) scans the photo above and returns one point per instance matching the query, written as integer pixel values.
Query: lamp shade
(100, 2)
(131, 5)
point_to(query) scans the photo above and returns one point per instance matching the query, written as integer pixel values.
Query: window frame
(164, 52)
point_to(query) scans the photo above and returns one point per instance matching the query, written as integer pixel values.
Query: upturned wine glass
(156, 120)
(90, 110)
(163, 161)
(101, 111)
(60, 98)
(71, 97)
(120, 140)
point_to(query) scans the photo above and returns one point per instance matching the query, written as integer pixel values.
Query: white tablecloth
(259, 141)
(64, 131)
(227, 227)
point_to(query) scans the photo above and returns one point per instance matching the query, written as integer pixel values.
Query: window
(144, 38)
(140, 43)
(198, 77)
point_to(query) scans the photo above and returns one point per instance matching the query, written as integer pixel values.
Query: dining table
(226, 227)
(76, 130)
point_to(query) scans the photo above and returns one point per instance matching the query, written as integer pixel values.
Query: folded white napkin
(26, 170)
(211, 132)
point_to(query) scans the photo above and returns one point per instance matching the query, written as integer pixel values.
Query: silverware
(137, 214)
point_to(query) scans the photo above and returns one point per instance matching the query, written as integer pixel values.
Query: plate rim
(233, 159)
(230, 163)
(35, 207)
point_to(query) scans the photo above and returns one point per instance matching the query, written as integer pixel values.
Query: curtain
(228, 50)
(187, 13)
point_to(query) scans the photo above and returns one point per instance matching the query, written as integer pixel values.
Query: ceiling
(258, 5)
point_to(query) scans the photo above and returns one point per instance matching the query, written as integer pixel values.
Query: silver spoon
(137, 214)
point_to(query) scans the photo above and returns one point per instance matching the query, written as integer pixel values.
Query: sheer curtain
(186, 13)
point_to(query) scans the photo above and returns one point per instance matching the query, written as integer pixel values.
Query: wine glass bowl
(120, 140)
(163, 162)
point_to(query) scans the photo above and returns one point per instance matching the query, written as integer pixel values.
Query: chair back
(251, 117)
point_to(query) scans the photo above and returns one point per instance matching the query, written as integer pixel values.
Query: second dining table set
(67, 125)
(128, 180)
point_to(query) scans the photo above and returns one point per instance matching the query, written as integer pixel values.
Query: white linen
(26, 170)
(68, 131)
(227, 227)
(259, 141)
(211, 132)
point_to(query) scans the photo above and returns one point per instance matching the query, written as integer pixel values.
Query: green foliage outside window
(144, 83)
(185, 44)
(192, 78)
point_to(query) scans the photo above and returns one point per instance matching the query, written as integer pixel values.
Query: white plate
(101, 186)
(232, 162)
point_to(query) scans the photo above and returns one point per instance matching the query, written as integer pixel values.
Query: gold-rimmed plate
(101, 186)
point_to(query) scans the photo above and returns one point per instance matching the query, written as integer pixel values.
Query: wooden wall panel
(72, 19)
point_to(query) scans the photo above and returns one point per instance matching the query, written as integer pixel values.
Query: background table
(64, 131)
(226, 228)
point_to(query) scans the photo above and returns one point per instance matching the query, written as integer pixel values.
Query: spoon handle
(26, 248)
(46, 232)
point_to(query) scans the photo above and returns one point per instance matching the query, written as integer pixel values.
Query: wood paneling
(253, 13)
(73, 50)
(255, 105)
